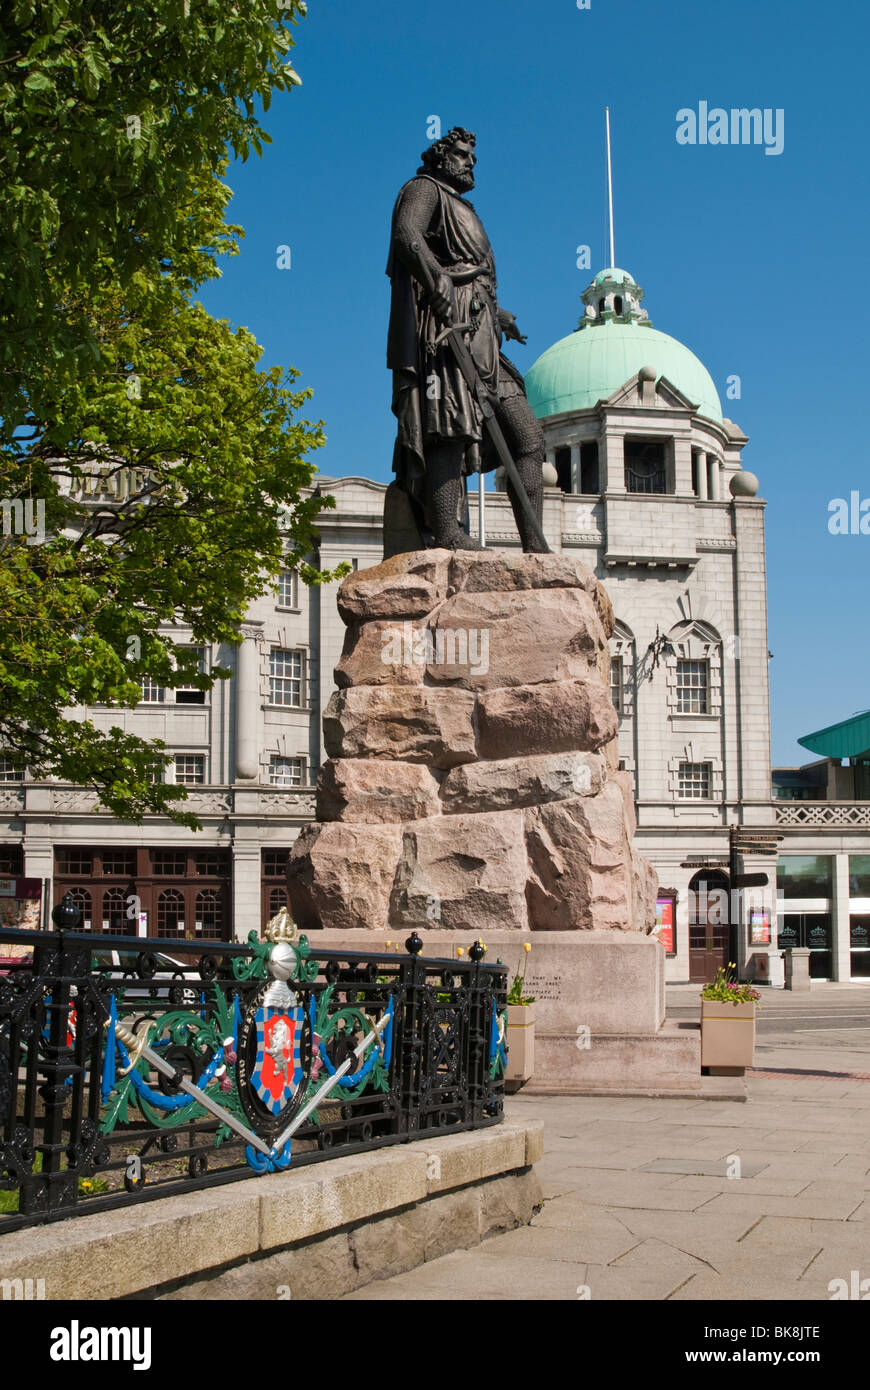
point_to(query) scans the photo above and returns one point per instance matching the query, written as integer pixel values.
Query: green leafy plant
(726, 990)
(515, 993)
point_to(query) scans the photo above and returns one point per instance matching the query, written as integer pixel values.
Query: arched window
(115, 919)
(617, 304)
(695, 669)
(602, 305)
(170, 913)
(209, 914)
(82, 899)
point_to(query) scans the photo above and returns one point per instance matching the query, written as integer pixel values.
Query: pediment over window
(640, 391)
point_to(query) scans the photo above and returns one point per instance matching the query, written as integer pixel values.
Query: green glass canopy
(848, 739)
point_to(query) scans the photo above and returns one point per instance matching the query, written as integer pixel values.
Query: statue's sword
(465, 362)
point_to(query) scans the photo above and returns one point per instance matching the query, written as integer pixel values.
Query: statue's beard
(452, 172)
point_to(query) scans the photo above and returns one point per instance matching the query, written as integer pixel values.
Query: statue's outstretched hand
(510, 330)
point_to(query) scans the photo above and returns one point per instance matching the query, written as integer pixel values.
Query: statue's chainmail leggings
(525, 439)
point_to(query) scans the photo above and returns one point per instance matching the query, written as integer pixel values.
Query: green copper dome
(612, 344)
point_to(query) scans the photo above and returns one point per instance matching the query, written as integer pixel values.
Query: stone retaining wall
(315, 1232)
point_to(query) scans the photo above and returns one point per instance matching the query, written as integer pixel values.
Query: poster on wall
(665, 923)
(759, 926)
(20, 908)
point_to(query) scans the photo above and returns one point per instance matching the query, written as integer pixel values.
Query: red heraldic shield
(277, 1073)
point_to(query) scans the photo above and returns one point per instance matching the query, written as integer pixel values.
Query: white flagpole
(481, 510)
(609, 188)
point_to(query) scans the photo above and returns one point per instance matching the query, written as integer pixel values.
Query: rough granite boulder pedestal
(471, 780)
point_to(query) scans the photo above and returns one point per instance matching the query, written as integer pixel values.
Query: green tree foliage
(108, 366)
(115, 117)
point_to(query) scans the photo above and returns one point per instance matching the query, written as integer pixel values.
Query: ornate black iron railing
(138, 1068)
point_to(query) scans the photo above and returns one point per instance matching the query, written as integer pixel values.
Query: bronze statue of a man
(443, 274)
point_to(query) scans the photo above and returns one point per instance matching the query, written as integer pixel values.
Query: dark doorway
(709, 912)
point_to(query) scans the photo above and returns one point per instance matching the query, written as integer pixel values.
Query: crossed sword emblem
(181, 1082)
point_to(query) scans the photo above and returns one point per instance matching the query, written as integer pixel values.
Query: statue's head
(452, 159)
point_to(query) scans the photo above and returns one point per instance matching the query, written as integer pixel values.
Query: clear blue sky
(754, 261)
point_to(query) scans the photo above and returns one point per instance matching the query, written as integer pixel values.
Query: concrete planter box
(727, 1036)
(521, 1043)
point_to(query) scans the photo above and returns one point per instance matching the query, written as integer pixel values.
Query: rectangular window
(189, 769)
(119, 863)
(804, 876)
(168, 863)
(152, 694)
(617, 695)
(285, 677)
(859, 875)
(9, 772)
(563, 469)
(645, 466)
(694, 781)
(212, 863)
(275, 863)
(287, 772)
(75, 861)
(589, 483)
(693, 681)
(188, 694)
(11, 861)
(288, 589)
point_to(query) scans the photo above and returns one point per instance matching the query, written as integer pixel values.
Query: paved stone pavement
(638, 1200)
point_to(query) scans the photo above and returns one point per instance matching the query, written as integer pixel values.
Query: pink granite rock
(472, 779)
(509, 783)
(580, 861)
(383, 652)
(623, 781)
(408, 723)
(483, 641)
(341, 875)
(405, 586)
(477, 572)
(561, 717)
(373, 791)
(464, 873)
(645, 882)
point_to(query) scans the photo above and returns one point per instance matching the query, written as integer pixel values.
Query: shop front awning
(848, 739)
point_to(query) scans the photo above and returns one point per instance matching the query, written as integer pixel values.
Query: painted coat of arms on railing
(274, 1053)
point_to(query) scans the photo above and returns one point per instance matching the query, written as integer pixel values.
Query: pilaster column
(612, 457)
(713, 477)
(247, 695)
(841, 955)
(246, 885)
(682, 468)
